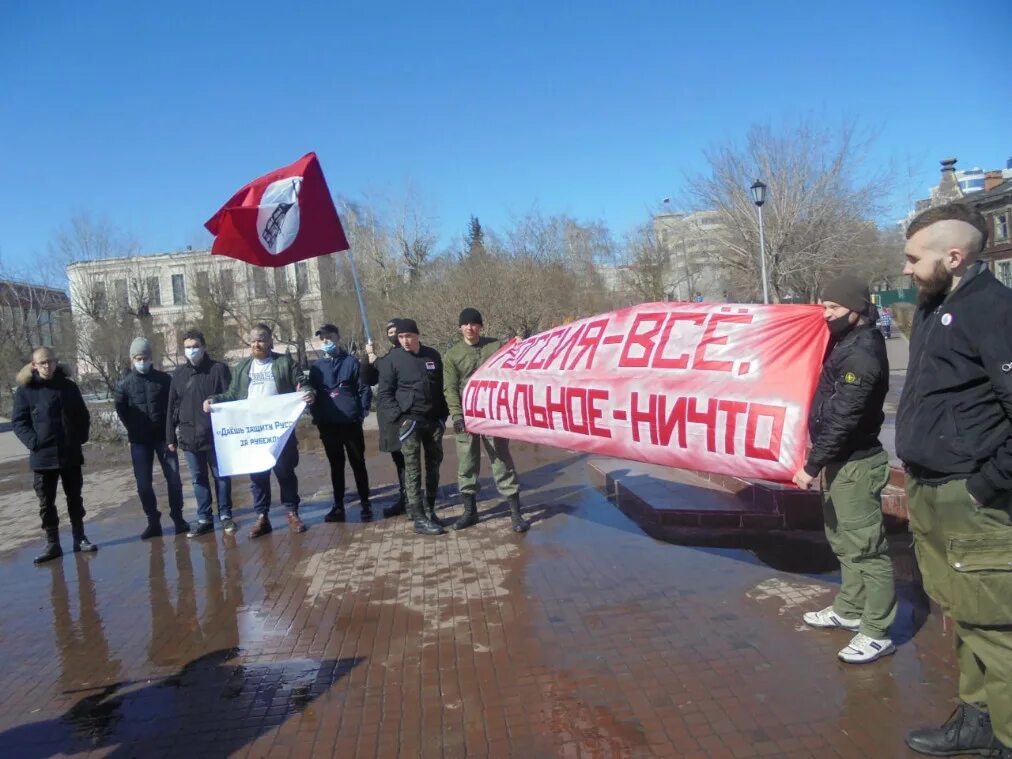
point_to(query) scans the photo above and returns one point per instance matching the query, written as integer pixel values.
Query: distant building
(164, 294)
(693, 241)
(33, 315)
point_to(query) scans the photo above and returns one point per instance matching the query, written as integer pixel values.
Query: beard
(936, 285)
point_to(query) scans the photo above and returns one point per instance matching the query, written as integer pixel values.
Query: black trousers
(45, 489)
(338, 439)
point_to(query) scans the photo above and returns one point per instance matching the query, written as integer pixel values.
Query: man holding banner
(463, 360)
(411, 402)
(266, 373)
(844, 424)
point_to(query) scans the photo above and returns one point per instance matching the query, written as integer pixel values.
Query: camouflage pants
(427, 436)
(469, 464)
(964, 552)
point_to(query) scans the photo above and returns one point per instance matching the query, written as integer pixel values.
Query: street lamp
(759, 197)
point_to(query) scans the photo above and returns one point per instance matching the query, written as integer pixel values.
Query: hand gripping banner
(708, 387)
(249, 435)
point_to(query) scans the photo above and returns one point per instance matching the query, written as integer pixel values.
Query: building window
(98, 299)
(301, 277)
(259, 283)
(153, 290)
(203, 284)
(1005, 273)
(178, 290)
(280, 280)
(1001, 226)
(119, 289)
(227, 284)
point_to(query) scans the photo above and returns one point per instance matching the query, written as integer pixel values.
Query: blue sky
(150, 115)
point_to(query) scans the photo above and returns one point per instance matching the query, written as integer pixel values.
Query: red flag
(281, 217)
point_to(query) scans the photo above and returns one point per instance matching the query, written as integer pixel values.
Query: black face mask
(393, 340)
(839, 326)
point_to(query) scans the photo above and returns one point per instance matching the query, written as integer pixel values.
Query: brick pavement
(583, 637)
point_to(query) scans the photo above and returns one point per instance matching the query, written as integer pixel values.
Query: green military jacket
(459, 363)
(287, 376)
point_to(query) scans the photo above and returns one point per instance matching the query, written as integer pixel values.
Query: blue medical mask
(330, 348)
(194, 354)
(142, 367)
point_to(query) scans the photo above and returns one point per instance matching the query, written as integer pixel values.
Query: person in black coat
(412, 403)
(342, 403)
(142, 403)
(52, 421)
(388, 439)
(189, 428)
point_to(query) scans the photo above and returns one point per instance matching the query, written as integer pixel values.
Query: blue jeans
(284, 470)
(199, 462)
(142, 455)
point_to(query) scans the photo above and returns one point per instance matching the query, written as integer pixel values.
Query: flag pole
(358, 295)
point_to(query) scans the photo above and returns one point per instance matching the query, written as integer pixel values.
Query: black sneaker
(228, 526)
(200, 528)
(366, 513)
(336, 514)
(84, 546)
(182, 527)
(151, 531)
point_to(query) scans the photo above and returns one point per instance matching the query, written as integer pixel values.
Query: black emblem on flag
(273, 227)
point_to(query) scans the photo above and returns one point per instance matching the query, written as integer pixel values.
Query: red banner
(279, 218)
(708, 387)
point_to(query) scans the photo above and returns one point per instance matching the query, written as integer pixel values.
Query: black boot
(52, 550)
(81, 542)
(423, 526)
(181, 525)
(153, 530)
(519, 523)
(336, 514)
(397, 508)
(430, 510)
(470, 515)
(966, 731)
(366, 512)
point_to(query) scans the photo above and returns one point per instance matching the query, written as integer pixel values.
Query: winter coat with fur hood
(51, 419)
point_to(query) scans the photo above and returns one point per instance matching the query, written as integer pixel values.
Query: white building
(692, 240)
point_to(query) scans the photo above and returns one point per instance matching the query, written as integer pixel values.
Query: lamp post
(759, 197)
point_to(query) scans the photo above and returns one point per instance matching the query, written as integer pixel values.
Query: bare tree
(818, 204)
(650, 265)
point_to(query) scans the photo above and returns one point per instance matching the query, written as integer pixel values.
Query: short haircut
(194, 334)
(44, 350)
(950, 212)
(261, 327)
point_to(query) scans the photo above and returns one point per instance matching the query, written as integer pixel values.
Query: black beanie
(407, 325)
(393, 323)
(849, 291)
(470, 316)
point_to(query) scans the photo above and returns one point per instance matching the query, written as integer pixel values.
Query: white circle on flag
(278, 215)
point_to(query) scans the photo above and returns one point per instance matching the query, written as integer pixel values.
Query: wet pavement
(583, 637)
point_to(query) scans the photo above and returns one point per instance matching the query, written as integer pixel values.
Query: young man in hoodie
(342, 403)
(414, 410)
(189, 428)
(262, 374)
(460, 362)
(142, 404)
(51, 420)
(844, 425)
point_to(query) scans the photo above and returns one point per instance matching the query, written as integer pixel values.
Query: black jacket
(142, 404)
(341, 395)
(411, 386)
(51, 419)
(389, 436)
(846, 415)
(186, 423)
(954, 416)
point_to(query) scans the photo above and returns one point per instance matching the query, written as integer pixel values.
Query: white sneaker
(829, 618)
(863, 649)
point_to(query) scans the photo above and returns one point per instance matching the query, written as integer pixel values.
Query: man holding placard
(266, 373)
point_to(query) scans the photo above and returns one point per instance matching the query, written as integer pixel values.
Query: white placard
(249, 434)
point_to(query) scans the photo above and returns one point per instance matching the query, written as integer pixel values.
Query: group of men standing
(164, 413)
(954, 437)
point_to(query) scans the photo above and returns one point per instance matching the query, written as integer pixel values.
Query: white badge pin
(1007, 367)
(946, 319)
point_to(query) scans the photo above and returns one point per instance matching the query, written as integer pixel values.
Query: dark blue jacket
(341, 396)
(50, 418)
(142, 404)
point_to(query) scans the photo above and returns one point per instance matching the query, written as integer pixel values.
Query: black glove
(458, 426)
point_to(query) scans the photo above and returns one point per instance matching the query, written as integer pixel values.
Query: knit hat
(407, 325)
(140, 345)
(470, 316)
(393, 323)
(849, 291)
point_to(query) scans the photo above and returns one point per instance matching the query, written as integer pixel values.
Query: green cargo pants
(469, 464)
(852, 511)
(964, 552)
(427, 436)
